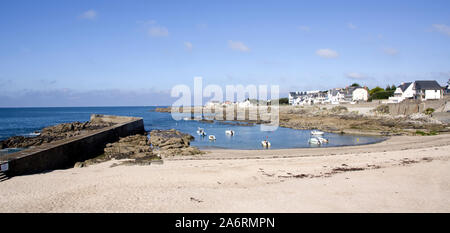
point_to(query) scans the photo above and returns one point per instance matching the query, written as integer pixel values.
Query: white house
(213, 103)
(422, 90)
(307, 97)
(360, 94)
(427, 90)
(336, 95)
(293, 96)
(447, 88)
(245, 104)
(403, 91)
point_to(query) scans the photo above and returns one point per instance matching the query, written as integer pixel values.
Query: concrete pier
(65, 153)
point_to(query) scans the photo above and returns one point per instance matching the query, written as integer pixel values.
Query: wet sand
(401, 174)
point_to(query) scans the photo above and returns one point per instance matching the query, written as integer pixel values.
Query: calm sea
(25, 121)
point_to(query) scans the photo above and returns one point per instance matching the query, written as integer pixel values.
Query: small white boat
(314, 141)
(201, 132)
(317, 132)
(229, 132)
(317, 140)
(186, 119)
(265, 144)
(322, 140)
(212, 137)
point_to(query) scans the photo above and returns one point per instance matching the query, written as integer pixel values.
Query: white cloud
(390, 51)
(90, 14)
(153, 29)
(356, 76)
(188, 45)
(327, 53)
(442, 28)
(351, 26)
(304, 28)
(238, 46)
(158, 31)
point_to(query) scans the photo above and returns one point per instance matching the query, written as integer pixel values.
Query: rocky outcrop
(53, 133)
(135, 148)
(139, 150)
(75, 127)
(168, 109)
(169, 139)
(131, 147)
(172, 142)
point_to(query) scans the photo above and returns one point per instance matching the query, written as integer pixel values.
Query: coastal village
(419, 107)
(418, 90)
(421, 90)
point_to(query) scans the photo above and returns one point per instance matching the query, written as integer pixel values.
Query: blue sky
(85, 53)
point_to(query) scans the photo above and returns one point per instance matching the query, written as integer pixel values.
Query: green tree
(379, 93)
(393, 87)
(283, 101)
(375, 90)
(355, 85)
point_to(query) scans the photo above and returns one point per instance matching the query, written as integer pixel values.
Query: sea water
(25, 121)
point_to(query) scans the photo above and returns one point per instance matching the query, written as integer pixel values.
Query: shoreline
(342, 121)
(318, 147)
(399, 176)
(394, 143)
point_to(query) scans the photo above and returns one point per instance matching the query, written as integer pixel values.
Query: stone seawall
(408, 107)
(65, 153)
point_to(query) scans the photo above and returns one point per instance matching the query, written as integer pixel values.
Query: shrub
(381, 95)
(375, 90)
(382, 109)
(426, 134)
(339, 109)
(281, 101)
(428, 111)
(421, 133)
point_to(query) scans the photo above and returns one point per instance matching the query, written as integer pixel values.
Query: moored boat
(266, 143)
(317, 140)
(322, 140)
(314, 141)
(201, 132)
(229, 132)
(317, 132)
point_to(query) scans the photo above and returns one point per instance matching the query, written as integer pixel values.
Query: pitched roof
(404, 86)
(427, 85)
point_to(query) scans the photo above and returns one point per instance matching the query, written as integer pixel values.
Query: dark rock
(131, 147)
(169, 139)
(53, 133)
(172, 142)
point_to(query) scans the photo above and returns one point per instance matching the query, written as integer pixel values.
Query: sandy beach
(401, 174)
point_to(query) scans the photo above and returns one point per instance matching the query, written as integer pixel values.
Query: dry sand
(401, 174)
